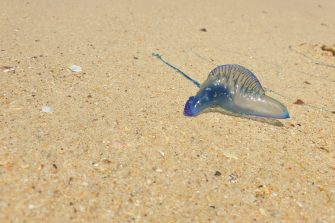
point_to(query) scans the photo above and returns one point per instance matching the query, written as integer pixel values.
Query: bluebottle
(232, 88)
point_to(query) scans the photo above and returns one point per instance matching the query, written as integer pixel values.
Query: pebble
(118, 144)
(103, 166)
(262, 211)
(229, 154)
(217, 173)
(221, 212)
(299, 102)
(232, 178)
(262, 191)
(161, 153)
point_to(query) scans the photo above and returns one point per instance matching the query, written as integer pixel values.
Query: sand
(111, 143)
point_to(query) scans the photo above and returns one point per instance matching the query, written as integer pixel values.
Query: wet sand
(116, 147)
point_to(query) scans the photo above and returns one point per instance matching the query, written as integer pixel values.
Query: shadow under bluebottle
(234, 89)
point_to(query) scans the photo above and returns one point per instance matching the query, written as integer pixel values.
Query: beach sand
(112, 143)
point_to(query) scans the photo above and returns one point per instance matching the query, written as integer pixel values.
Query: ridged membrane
(235, 89)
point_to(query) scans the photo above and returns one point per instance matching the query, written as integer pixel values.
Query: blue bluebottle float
(235, 89)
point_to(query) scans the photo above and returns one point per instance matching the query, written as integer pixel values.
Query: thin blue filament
(196, 83)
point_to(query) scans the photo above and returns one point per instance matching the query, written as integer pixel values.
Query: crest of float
(233, 88)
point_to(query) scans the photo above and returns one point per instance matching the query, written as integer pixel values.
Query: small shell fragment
(7, 69)
(47, 109)
(75, 68)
